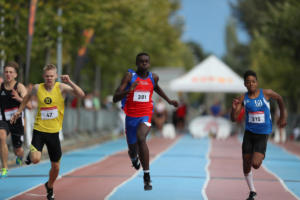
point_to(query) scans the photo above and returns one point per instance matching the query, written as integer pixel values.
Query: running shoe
(252, 195)
(19, 161)
(50, 194)
(4, 172)
(147, 182)
(136, 164)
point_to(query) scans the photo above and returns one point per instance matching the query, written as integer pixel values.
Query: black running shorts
(17, 139)
(39, 139)
(253, 142)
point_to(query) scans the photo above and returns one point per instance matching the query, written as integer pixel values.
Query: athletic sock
(249, 180)
(146, 171)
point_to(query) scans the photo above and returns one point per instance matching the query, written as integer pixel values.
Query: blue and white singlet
(258, 116)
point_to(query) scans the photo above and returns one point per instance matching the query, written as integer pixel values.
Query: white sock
(146, 171)
(249, 180)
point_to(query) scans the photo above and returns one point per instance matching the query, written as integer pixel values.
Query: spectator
(88, 102)
(215, 109)
(280, 132)
(96, 101)
(180, 116)
(160, 114)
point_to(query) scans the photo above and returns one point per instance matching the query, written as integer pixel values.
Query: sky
(205, 22)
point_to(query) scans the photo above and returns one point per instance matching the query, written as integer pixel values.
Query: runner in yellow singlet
(49, 119)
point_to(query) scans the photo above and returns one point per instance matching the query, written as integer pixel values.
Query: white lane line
(136, 173)
(207, 170)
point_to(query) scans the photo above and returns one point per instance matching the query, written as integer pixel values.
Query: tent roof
(211, 75)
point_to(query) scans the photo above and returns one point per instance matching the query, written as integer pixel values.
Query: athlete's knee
(256, 164)
(35, 158)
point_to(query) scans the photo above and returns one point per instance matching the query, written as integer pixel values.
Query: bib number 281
(141, 96)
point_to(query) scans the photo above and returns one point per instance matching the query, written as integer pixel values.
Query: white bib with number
(49, 113)
(257, 117)
(10, 112)
(141, 96)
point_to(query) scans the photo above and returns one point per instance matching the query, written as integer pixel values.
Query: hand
(65, 78)
(15, 95)
(235, 103)
(281, 122)
(15, 117)
(133, 86)
(174, 103)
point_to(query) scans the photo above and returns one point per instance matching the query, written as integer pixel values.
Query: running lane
(226, 174)
(28, 177)
(97, 179)
(177, 174)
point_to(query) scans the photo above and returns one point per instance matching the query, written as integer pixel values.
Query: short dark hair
(249, 73)
(141, 54)
(14, 65)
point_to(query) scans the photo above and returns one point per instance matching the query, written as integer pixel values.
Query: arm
(121, 91)
(70, 87)
(161, 93)
(24, 103)
(270, 94)
(236, 107)
(23, 92)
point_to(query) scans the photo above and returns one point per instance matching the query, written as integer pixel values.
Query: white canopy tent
(211, 75)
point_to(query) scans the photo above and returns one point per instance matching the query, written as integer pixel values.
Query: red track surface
(227, 180)
(97, 180)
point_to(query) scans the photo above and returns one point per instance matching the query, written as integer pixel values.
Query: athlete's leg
(142, 132)
(257, 159)
(19, 152)
(247, 149)
(3, 148)
(132, 150)
(247, 163)
(53, 173)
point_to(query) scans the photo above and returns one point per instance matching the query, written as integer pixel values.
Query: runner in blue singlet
(258, 124)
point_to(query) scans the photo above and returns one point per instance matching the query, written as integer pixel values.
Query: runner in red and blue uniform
(136, 91)
(256, 103)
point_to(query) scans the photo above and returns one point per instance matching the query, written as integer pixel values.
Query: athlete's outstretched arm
(121, 91)
(270, 94)
(24, 103)
(161, 93)
(236, 107)
(70, 87)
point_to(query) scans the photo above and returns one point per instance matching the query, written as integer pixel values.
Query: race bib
(257, 117)
(141, 96)
(10, 112)
(49, 113)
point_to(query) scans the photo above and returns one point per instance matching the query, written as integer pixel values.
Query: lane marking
(137, 172)
(281, 182)
(207, 170)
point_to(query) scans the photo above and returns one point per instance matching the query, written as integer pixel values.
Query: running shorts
(253, 142)
(39, 139)
(131, 125)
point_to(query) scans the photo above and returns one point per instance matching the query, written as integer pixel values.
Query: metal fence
(81, 121)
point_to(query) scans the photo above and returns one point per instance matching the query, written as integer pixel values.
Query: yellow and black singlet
(50, 113)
